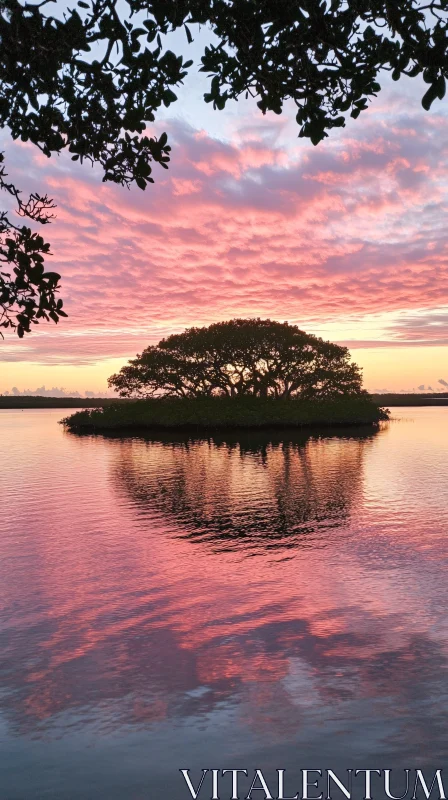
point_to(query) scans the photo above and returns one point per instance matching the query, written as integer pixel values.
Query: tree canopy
(92, 79)
(257, 357)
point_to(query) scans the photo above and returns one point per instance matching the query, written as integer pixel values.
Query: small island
(243, 373)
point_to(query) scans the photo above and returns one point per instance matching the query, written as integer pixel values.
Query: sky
(348, 240)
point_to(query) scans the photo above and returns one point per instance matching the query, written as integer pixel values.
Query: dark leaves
(27, 292)
(324, 56)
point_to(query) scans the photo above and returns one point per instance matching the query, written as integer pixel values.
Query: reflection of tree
(254, 490)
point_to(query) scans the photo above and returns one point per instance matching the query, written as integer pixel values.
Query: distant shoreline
(410, 399)
(37, 401)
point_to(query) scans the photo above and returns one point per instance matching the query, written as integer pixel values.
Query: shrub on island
(227, 412)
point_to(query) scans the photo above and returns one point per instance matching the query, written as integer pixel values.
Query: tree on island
(92, 79)
(256, 357)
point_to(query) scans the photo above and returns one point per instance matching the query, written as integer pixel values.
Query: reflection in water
(258, 490)
(136, 637)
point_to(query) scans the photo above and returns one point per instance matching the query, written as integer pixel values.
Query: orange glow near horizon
(384, 369)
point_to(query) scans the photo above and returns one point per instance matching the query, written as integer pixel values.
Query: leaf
(169, 97)
(416, 69)
(345, 104)
(429, 97)
(429, 75)
(54, 277)
(188, 32)
(441, 87)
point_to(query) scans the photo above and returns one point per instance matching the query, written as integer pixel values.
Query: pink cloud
(245, 227)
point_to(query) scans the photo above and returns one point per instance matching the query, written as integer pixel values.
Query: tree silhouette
(91, 80)
(262, 358)
(29, 293)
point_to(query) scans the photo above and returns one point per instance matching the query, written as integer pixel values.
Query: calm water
(269, 601)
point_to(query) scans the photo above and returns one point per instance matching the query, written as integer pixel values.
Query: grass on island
(226, 412)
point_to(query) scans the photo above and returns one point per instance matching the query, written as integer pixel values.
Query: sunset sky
(348, 240)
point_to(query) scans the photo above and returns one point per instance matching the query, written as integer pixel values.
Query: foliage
(27, 292)
(225, 412)
(241, 357)
(92, 79)
(82, 80)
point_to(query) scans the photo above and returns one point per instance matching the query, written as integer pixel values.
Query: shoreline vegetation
(40, 401)
(225, 412)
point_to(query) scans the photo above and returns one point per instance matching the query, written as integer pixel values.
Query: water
(246, 601)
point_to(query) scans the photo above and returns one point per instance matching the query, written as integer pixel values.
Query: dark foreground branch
(28, 293)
